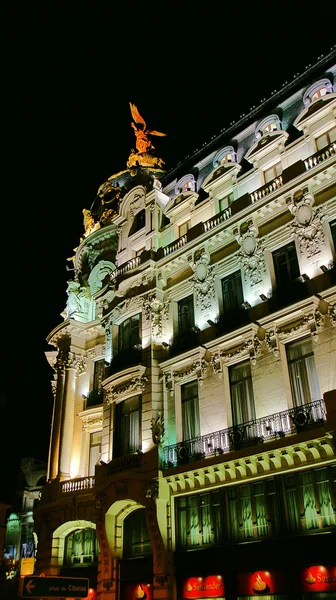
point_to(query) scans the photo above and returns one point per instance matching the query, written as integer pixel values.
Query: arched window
(81, 547)
(136, 537)
(187, 183)
(224, 156)
(316, 91)
(267, 125)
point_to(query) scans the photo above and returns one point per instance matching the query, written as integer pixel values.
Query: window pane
(302, 372)
(185, 315)
(127, 429)
(190, 410)
(286, 264)
(242, 399)
(136, 537)
(232, 291)
(129, 333)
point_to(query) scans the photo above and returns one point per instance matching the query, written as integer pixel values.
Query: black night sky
(69, 71)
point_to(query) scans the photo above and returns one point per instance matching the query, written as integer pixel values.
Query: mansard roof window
(318, 90)
(185, 184)
(267, 125)
(224, 156)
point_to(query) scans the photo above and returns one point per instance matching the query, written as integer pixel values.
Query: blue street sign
(51, 587)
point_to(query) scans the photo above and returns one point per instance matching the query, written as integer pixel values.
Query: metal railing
(258, 431)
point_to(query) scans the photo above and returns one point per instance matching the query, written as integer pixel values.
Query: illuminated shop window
(190, 410)
(127, 430)
(310, 499)
(136, 537)
(318, 90)
(326, 139)
(302, 372)
(242, 398)
(252, 510)
(199, 520)
(182, 230)
(273, 172)
(81, 547)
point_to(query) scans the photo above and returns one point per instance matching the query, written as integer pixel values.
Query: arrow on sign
(30, 586)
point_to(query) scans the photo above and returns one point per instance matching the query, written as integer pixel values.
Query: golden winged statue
(143, 143)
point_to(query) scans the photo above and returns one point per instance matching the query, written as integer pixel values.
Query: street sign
(51, 587)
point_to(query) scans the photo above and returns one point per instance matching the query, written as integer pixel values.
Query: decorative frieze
(136, 384)
(92, 424)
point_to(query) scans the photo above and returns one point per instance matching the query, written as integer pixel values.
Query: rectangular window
(225, 202)
(310, 499)
(198, 520)
(138, 222)
(232, 292)
(242, 399)
(95, 451)
(326, 139)
(273, 172)
(333, 233)
(182, 230)
(98, 374)
(302, 372)
(252, 510)
(129, 333)
(190, 411)
(286, 265)
(127, 429)
(137, 541)
(185, 315)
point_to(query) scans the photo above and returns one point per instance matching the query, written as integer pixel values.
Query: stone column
(56, 418)
(74, 365)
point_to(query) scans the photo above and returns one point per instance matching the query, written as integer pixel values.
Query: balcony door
(242, 399)
(127, 437)
(190, 411)
(302, 372)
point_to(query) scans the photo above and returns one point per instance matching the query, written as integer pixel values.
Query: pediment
(266, 144)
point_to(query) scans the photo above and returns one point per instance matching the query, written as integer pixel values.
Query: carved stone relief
(203, 281)
(307, 224)
(251, 253)
(156, 310)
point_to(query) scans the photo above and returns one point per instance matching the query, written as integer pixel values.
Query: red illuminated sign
(211, 586)
(261, 582)
(139, 591)
(318, 579)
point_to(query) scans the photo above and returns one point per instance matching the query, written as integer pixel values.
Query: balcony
(94, 398)
(77, 485)
(124, 360)
(251, 433)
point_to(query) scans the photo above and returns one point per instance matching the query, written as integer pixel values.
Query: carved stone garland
(251, 254)
(136, 384)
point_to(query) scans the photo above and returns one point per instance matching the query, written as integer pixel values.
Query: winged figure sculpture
(143, 143)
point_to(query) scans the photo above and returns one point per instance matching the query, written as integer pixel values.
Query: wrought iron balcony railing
(259, 431)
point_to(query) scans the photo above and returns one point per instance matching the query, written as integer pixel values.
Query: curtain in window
(246, 510)
(302, 373)
(242, 398)
(182, 522)
(260, 507)
(128, 426)
(309, 504)
(324, 495)
(193, 521)
(190, 411)
(206, 518)
(233, 513)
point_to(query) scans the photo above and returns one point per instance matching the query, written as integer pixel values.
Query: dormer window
(317, 91)
(185, 184)
(224, 156)
(266, 126)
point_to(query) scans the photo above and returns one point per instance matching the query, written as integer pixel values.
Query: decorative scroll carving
(96, 352)
(128, 305)
(157, 427)
(76, 361)
(137, 204)
(190, 369)
(92, 424)
(136, 384)
(156, 311)
(203, 281)
(251, 253)
(307, 224)
(310, 322)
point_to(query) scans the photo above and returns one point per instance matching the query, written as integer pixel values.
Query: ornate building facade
(192, 452)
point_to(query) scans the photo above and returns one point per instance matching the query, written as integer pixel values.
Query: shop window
(95, 451)
(198, 520)
(129, 333)
(127, 430)
(81, 547)
(286, 265)
(302, 372)
(273, 172)
(252, 510)
(190, 411)
(139, 222)
(136, 537)
(326, 139)
(225, 202)
(310, 499)
(182, 230)
(242, 398)
(232, 292)
(186, 320)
